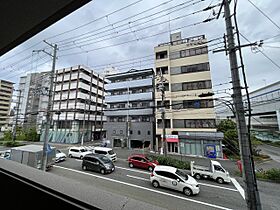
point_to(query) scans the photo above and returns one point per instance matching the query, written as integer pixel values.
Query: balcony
(129, 84)
(129, 112)
(129, 97)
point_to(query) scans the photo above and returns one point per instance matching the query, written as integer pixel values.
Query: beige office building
(190, 119)
(6, 92)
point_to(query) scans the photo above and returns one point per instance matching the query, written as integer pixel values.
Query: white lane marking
(225, 188)
(129, 169)
(136, 177)
(238, 187)
(144, 188)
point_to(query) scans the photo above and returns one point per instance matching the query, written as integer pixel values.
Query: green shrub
(271, 174)
(169, 161)
(12, 144)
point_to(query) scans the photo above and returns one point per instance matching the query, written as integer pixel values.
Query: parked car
(141, 161)
(99, 163)
(213, 171)
(109, 152)
(173, 178)
(59, 156)
(6, 154)
(78, 152)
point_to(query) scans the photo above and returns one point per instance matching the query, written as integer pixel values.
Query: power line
(264, 14)
(194, 24)
(100, 18)
(80, 37)
(127, 18)
(87, 42)
(264, 54)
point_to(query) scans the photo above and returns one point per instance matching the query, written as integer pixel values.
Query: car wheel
(102, 171)
(81, 157)
(131, 165)
(155, 184)
(70, 156)
(150, 168)
(220, 180)
(197, 176)
(187, 191)
(84, 168)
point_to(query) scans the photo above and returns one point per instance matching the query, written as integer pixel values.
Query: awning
(172, 138)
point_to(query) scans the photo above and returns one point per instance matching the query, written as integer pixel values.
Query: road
(273, 152)
(134, 183)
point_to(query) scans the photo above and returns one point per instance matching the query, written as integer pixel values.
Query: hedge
(169, 161)
(271, 174)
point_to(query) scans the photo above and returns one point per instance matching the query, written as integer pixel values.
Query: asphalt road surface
(135, 183)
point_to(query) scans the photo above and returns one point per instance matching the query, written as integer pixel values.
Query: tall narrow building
(32, 99)
(189, 119)
(130, 108)
(6, 92)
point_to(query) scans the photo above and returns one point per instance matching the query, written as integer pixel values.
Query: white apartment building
(78, 103)
(6, 92)
(189, 119)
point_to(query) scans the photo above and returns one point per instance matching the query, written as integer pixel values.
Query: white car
(78, 152)
(173, 178)
(109, 152)
(59, 156)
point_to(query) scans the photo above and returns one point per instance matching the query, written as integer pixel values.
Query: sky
(122, 34)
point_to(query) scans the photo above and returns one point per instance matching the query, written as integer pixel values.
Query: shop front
(203, 144)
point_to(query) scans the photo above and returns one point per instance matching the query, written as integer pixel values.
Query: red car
(141, 161)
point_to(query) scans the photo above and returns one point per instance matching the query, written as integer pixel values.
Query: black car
(99, 163)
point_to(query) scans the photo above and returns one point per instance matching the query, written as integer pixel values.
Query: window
(161, 55)
(121, 131)
(196, 123)
(139, 132)
(114, 131)
(145, 119)
(176, 87)
(219, 168)
(137, 158)
(167, 123)
(149, 132)
(100, 152)
(163, 70)
(131, 132)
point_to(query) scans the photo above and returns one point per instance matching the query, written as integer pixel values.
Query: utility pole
(251, 190)
(84, 121)
(127, 120)
(17, 111)
(48, 115)
(162, 89)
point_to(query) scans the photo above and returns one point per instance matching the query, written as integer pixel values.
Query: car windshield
(182, 174)
(58, 151)
(83, 150)
(104, 159)
(111, 152)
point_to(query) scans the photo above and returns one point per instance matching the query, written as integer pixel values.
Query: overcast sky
(90, 43)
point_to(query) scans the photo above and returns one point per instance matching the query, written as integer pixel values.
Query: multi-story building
(32, 96)
(78, 103)
(6, 92)
(265, 106)
(189, 119)
(130, 108)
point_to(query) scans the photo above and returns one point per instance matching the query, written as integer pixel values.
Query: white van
(78, 152)
(109, 152)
